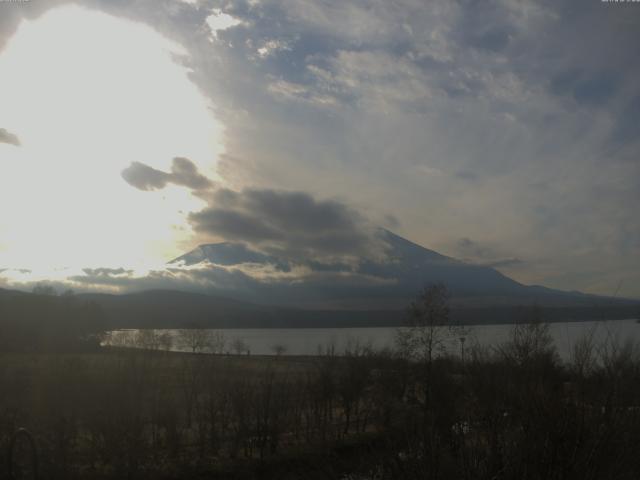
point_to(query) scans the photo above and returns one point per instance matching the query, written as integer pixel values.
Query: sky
(505, 133)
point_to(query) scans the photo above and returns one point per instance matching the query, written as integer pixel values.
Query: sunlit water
(311, 341)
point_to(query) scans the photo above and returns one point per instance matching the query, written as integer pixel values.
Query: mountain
(387, 284)
(372, 293)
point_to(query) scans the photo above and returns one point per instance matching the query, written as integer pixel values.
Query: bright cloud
(219, 21)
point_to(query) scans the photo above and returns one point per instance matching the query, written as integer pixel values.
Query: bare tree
(429, 326)
(166, 341)
(279, 349)
(217, 342)
(148, 339)
(239, 346)
(530, 342)
(122, 339)
(197, 340)
(583, 354)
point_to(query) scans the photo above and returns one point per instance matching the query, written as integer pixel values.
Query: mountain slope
(386, 284)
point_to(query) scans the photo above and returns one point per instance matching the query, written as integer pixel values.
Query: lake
(309, 341)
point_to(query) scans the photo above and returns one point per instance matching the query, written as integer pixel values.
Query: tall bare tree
(428, 327)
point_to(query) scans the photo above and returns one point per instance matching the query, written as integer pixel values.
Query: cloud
(107, 272)
(469, 247)
(183, 173)
(262, 283)
(466, 175)
(8, 137)
(219, 21)
(484, 255)
(143, 177)
(289, 224)
(519, 107)
(585, 87)
(530, 118)
(504, 263)
(292, 225)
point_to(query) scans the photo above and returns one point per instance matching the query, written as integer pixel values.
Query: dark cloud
(143, 177)
(107, 272)
(585, 87)
(494, 39)
(627, 128)
(183, 172)
(466, 175)
(484, 255)
(8, 137)
(470, 248)
(291, 224)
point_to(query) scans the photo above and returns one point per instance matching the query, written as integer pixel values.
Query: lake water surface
(309, 341)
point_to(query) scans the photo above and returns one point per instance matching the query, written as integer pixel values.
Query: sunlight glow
(87, 93)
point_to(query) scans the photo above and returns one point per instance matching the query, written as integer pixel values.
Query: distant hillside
(176, 309)
(43, 322)
(172, 309)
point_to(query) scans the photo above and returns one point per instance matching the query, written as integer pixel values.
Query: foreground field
(514, 412)
(123, 413)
